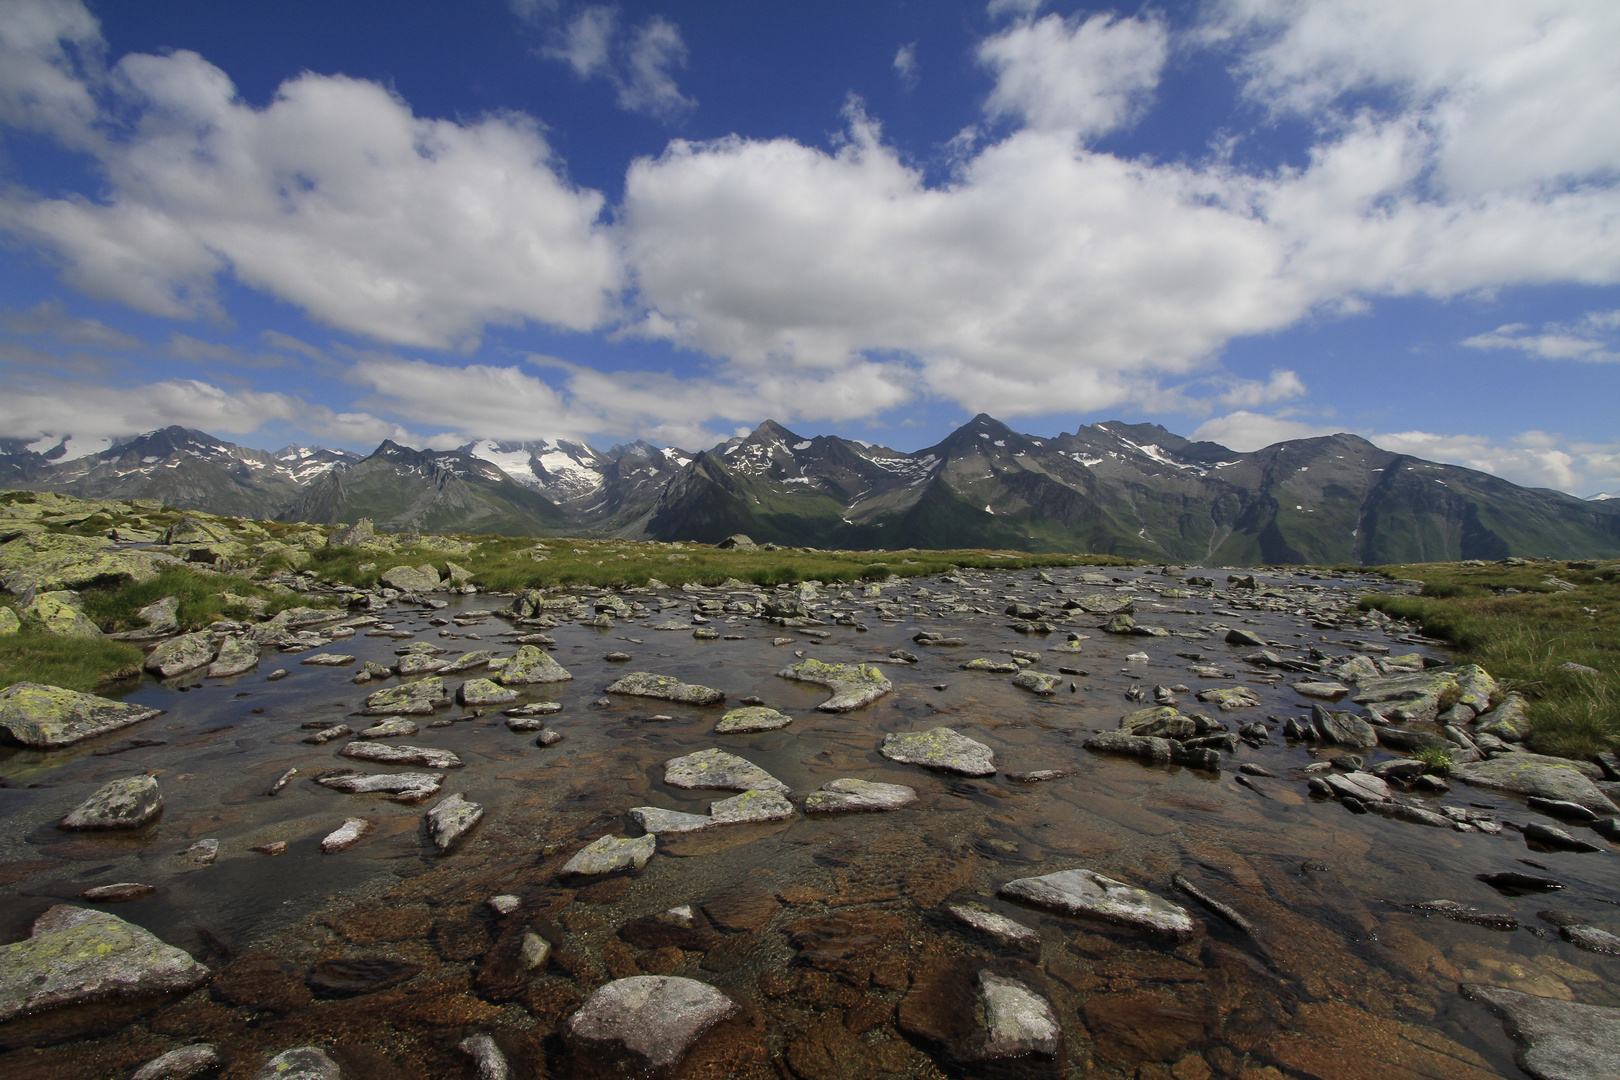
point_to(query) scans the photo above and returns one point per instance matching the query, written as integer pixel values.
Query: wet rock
(1228, 698)
(1342, 728)
(656, 820)
(202, 853)
(1400, 811)
(237, 655)
(326, 735)
(282, 781)
(1005, 932)
(530, 666)
(1531, 774)
(608, 854)
(851, 795)
(1558, 1040)
(524, 723)
(180, 655)
(417, 698)
(647, 1022)
(1576, 931)
(715, 768)
(751, 718)
(345, 836)
(487, 1057)
(1037, 682)
(418, 663)
(1085, 892)
(45, 717)
(451, 819)
(127, 803)
(431, 757)
(329, 660)
(852, 685)
(475, 692)
(118, 892)
(750, 807)
(1408, 697)
(411, 787)
(1561, 808)
(394, 727)
(1018, 1021)
(743, 908)
(1321, 690)
(1515, 880)
(181, 1064)
(538, 708)
(1146, 747)
(1162, 721)
(1244, 637)
(1364, 787)
(666, 688)
(994, 667)
(467, 661)
(1509, 721)
(300, 1063)
(79, 956)
(940, 748)
(1549, 836)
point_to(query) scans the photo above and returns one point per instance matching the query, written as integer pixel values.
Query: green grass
(1437, 758)
(202, 600)
(74, 663)
(1524, 638)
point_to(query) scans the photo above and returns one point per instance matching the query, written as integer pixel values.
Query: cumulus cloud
(49, 318)
(1245, 430)
(46, 405)
(639, 62)
(1586, 339)
(336, 198)
(1086, 77)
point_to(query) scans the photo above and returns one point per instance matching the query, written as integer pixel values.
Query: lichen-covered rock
(300, 1063)
(1558, 1040)
(751, 718)
(9, 623)
(1342, 728)
(127, 803)
(1509, 721)
(196, 530)
(532, 664)
(852, 685)
(422, 578)
(45, 562)
(417, 698)
(451, 819)
(994, 667)
(751, 807)
(666, 688)
(60, 613)
(607, 854)
(657, 820)
(1085, 892)
(1532, 774)
(851, 795)
(45, 717)
(393, 727)
(1037, 682)
(1228, 698)
(182, 1064)
(237, 655)
(714, 768)
(429, 756)
(484, 692)
(79, 956)
(1162, 721)
(409, 787)
(1410, 696)
(940, 748)
(647, 1022)
(180, 655)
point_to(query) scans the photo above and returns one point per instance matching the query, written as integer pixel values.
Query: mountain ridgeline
(1133, 490)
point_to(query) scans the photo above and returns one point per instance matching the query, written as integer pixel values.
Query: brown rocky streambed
(832, 944)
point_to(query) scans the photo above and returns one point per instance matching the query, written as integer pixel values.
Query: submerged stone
(300, 1063)
(648, 1022)
(1558, 1040)
(1085, 892)
(428, 756)
(450, 820)
(1531, 774)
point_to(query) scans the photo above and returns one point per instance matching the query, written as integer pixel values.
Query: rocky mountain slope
(1131, 490)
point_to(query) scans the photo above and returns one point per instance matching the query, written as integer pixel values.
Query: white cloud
(32, 408)
(997, 8)
(1244, 430)
(335, 198)
(46, 50)
(905, 65)
(1086, 77)
(1581, 340)
(49, 318)
(639, 63)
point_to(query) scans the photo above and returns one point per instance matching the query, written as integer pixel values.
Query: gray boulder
(665, 688)
(852, 795)
(180, 655)
(45, 717)
(607, 854)
(181, 1064)
(1037, 682)
(412, 578)
(409, 787)
(1509, 721)
(1342, 728)
(450, 820)
(417, 698)
(940, 748)
(79, 956)
(1017, 1021)
(751, 718)
(1532, 774)
(400, 754)
(484, 692)
(1085, 892)
(852, 685)
(531, 665)
(237, 655)
(60, 613)
(300, 1063)
(128, 803)
(715, 768)
(1558, 1040)
(647, 1022)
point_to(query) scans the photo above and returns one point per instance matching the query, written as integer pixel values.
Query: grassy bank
(1523, 627)
(76, 663)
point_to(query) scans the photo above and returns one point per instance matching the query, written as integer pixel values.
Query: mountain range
(1134, 490)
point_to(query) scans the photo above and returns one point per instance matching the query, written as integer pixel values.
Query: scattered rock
(45, 717)
(1532, 774)
(180, 655)
(1509, 721)
(751, 718)
(607, 854)
(118, 893)
(1085, 892)
(417, 698)
(181, 1064)
(1558, 1040)
(852, 795)
(326, 735)
(1018, 1021)
(475, 692)
(1228, 698)
(1037, 682)
(300, 1063)
(345, 836)
(666, 688)
(647, 1022)
(431, 757)
(408, 787)
(450, 820)
(1005, 932)
(128, 803)
(1342, 728)
(852, 685)
(532, 665)
(940, 748)
(237, 655)
(395, 727)
(1550, 837)
(715, 768)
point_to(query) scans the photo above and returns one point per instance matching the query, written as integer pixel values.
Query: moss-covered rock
(533, 664)
(9, 623)
(46, 562)
(180, 655)
(853, 685)
(417, 698)
(666, 688)
(61, 613)
(128, 803)
(940, 748)
(49, 716)
(193, 529)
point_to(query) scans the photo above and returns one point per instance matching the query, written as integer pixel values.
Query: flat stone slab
(855, 796)
(998, 928)
(1086, 892)
(940, 748)
(852, 685)
(715, 768)
(532, 665)
(666, 688)
(392, 728)
(45, 717)
(181, 1064)
(237, 656)
(417, 698)
(1325, 690)
(648, 1021)
(744, 809)
(80, 956)
(751, 718)
(1558, 1040)
(451, 819)
(1525, 774)
(401, 754)
(127, 803)
(484, 692)
(1228, 698)
(300, 1063)
(180, 655)
(345, 836)
(1017, 1021)
(607, 854)
(1037, 682)
(657, 820)
(421, 785)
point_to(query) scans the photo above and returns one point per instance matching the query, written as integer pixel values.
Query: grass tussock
(75, 663)
(203, 600)
(1522, 625)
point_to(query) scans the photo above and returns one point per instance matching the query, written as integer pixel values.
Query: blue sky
(522, 219)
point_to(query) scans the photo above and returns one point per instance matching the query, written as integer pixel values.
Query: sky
(1246, 220)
